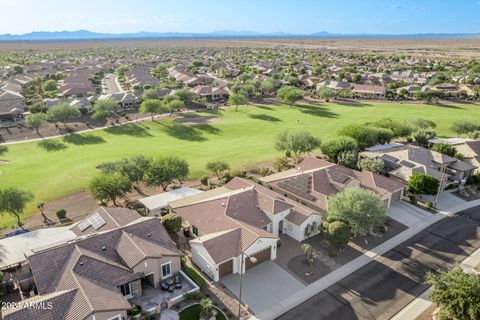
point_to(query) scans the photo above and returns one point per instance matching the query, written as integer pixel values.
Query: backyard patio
(151, 297)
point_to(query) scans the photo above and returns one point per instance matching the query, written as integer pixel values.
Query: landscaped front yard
(193, 313)
(54, 169)
(291, 257)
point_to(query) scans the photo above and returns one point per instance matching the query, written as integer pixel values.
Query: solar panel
(407, 164)
(84, 225)
(299, 186)
(96, 221)
(338, 177)
(389, 158)
(390, 164)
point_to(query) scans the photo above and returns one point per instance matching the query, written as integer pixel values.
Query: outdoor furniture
(178, 282)
(167, 285)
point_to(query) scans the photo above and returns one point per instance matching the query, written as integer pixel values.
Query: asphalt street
(386, 285)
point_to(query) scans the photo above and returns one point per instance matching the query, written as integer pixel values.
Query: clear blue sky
(295, 16)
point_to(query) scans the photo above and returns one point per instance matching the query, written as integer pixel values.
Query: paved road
(383, 287)
(111, 85)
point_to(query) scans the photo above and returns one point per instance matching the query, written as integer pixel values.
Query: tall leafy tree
(35, 121)
(289, 94)
(109, 187)
(162, 172)
(13, 201)
(456, 292)
(152, 106)
(336, 147)
(421, 183)
(360, 208)
(103, 109)
(236, 99)
(62, 112)
(296, 142)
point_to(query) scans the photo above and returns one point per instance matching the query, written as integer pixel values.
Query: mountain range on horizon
(90, 35)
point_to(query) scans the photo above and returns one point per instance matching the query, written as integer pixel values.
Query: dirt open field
(462, 48)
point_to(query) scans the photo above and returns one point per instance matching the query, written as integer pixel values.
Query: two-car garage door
(226, 267)
(261, 256)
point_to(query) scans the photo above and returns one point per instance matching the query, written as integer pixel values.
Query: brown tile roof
(474, 145)
(97, 264)
(60, 301)
(223, 246)
(114, 218)
(318, 177)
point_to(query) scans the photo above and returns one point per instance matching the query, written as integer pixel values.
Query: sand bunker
(196, 120)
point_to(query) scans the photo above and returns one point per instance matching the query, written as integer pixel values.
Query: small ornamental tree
(172, 222)
(333, 148)
(456, 292)
(374, 165)
(339, 233)
(35, 121)
(421, 183)
(218, 168)
(310, 253)
(445, 148)
(13, 201)
(236, 99)
(280, 164)
(360, 208)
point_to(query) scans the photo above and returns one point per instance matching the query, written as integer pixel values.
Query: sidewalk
(321, 284)
(146, 118)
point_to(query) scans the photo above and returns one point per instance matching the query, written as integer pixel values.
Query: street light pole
(241, 285)
(440, 186)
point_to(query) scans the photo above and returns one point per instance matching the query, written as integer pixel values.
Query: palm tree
(206, 308)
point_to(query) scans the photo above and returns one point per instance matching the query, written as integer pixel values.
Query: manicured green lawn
(240, 138)
(193, 313)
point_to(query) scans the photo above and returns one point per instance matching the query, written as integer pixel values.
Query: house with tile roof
(402, 161)
(100, 273)
(238, 220)
(471, 153)
(314, 180)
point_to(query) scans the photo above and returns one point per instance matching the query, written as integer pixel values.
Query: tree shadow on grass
(183, 132)
(3, 150)
(316, 110)
(80, 139)
(52, 145)
(351, 104)
(134, 130)
(208, 128)
(264, 117)
(263, 107)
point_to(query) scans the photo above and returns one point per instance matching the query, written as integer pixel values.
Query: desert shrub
(61, 214)
(172, 222)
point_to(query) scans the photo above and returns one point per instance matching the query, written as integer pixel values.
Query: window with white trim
(126, 290)
(166, 269)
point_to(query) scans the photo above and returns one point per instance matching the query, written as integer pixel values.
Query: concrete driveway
(263, 285)
(446, 201)
(410, 215)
